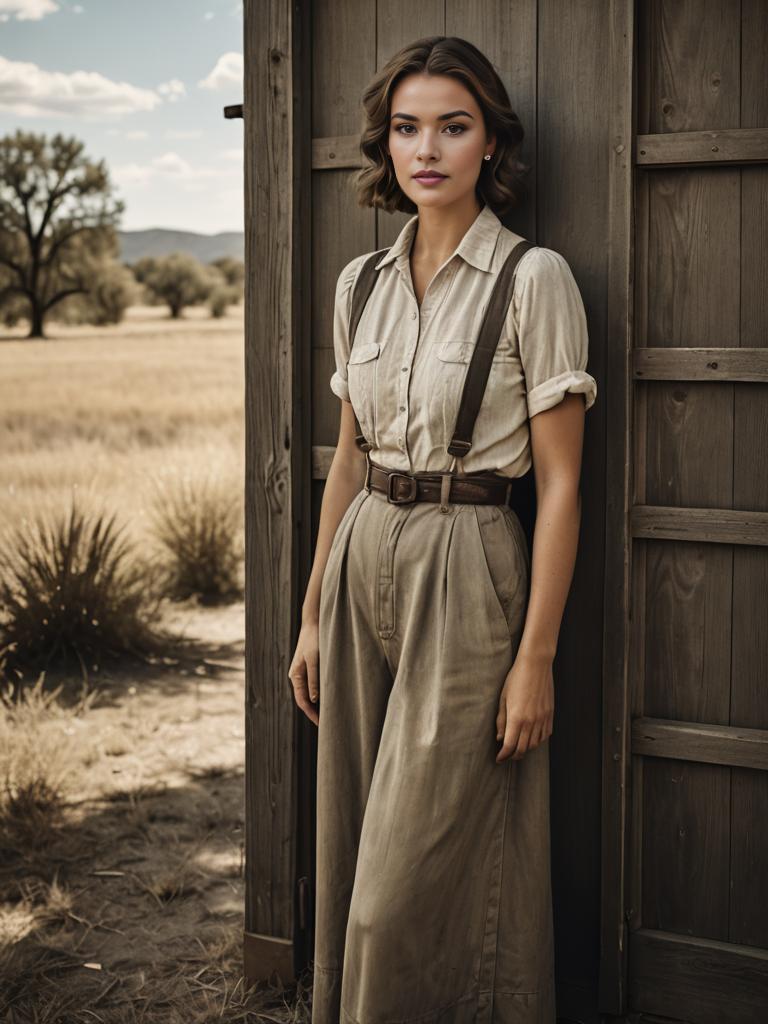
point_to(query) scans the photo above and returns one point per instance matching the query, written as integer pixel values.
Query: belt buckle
(409, 497)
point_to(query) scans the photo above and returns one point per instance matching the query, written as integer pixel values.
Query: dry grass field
(121, 801)
(106, 410)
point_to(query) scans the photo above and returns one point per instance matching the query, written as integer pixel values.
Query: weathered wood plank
(698, 979)
(749, 707)
(612, 983)
(715, 364)
(681, 821)
(694, 741)
(680, 149)
(276, 192)
(713, 525)
(686, 840)
(333, 153)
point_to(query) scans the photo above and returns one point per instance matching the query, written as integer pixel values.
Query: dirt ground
(130, 907)
(122, 901)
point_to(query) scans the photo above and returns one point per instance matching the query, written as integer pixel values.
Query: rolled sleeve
(341, 311)
(552, 332)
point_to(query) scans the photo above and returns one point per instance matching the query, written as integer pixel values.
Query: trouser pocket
(506, 561)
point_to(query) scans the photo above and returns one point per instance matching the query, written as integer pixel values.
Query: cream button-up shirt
(405, 373)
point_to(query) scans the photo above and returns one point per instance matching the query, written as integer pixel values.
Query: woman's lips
(431, 179)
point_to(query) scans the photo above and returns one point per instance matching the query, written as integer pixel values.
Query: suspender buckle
(459, 448)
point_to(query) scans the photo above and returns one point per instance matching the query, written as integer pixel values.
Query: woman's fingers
(312, 677)
(298, 677)
(519, 735)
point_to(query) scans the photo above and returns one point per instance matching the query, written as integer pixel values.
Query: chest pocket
(449, 370)
(451, 366)
(361, 380)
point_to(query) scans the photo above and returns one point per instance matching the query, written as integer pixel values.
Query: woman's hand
(526, 707)
(303, 672)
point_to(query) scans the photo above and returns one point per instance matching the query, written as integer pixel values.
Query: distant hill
(161, 241)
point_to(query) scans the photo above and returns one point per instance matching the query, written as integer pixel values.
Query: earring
(487, 156)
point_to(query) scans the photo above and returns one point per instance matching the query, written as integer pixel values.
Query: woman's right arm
(345, 479)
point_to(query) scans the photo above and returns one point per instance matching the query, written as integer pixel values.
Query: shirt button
(405, 369)
(413, 316)
(402, 408)
(400, 440)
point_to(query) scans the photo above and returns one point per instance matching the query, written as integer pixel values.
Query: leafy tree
(232, 269)
(112, 290)
(177, 279)
(57, 221)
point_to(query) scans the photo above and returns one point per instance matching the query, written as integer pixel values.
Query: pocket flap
(362, 353)
(455, 351)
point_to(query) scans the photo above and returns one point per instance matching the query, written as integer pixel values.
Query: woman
(430, 644)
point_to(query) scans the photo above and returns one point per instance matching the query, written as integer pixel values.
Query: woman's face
(436, 125)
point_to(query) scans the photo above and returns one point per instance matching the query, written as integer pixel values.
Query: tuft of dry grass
(197, 522)
(73, 593)
(43, 749)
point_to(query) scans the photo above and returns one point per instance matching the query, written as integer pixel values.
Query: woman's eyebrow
(440, 117)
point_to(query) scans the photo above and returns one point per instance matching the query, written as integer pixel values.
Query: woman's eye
(461, 128)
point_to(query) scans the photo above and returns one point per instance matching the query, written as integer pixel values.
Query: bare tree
(57, 221)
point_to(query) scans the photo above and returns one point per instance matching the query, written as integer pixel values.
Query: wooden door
(697, 817)
(306, 65)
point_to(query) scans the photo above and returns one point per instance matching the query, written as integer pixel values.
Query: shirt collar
(476, 247)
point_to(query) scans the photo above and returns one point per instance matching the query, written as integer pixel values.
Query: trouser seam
(501, 879)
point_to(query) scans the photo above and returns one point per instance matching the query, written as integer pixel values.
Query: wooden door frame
(277, 134)
(618, 391)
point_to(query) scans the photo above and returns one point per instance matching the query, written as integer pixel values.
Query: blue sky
(143, 83)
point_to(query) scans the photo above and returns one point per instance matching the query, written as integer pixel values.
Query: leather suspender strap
(361, 292)
(483, 352)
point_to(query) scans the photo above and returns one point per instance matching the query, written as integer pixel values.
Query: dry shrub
(197, 523)
(72, 593)
(43, 748)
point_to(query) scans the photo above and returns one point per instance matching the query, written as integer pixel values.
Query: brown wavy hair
(501, 181)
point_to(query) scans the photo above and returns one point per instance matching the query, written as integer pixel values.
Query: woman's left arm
(527, 701)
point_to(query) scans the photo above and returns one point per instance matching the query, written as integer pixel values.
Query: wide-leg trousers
(433, 887)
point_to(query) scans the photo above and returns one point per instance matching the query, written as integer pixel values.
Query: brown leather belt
(405, 488)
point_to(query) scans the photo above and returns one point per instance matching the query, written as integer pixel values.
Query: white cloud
(171, 166)
(172, 90)
(30, 91)
(227, 73)
(180, 133)
(137, 134)
(27, 10)
(78, 9)
(232, 154)
(208, 16)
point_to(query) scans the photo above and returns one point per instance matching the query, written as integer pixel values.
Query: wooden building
(647, 131)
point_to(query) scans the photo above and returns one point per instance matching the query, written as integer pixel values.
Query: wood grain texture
(713, 364)
(614, 966)
(708, 982)
(274, 466)
(707, 744)
(671, 149)
(699, 648)
(714, 525)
